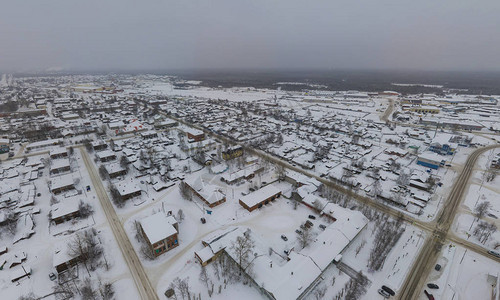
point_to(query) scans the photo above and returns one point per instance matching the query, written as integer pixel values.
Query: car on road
(432, 286)
(437, 267)
(388, 290)
(312, 217)
(494, 253)
(429, 296)
(203, 221)
(283, 237)
(384, 293)
(11, 154)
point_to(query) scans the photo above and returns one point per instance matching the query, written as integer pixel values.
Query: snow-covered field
(464, 275)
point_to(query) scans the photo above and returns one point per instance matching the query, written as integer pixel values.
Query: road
(439, 230)
(144, 287)
(388, 111)
(428, 256)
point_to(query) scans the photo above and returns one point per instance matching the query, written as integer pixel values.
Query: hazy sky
(160, 34)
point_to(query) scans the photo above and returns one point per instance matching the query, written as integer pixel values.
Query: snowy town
(156, 187)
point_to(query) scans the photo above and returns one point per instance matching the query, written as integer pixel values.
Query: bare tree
(180, 215)
(319, 292)
(280, 172)
(377, 188)
(115, 196)
(182, 285)
(356, 287)
(87, 291)
(243, 249)
(106, 290)
(484, 230)
(10, 221)
(388, 233)
(403, 179)
(29, 296)
(85, 209)
(85, 247)
(206, 279)
(304, 237)
(103, 172)
(481, 209)
(88, 145)
(185, 191)
(124, 162)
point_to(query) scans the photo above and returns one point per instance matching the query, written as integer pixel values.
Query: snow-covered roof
(61, 181)
(205, 254)
(290, 279)
(431, 156)
(114, 168)
(57, 151)
(254, 198)
(126, 188)
(65, 207)
(59, 163)
(158, 227)
(44, 143)
(105, 154)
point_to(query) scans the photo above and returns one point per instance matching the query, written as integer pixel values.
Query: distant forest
(486, 83)
(371, 81)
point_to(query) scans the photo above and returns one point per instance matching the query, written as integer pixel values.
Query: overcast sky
(160, 34)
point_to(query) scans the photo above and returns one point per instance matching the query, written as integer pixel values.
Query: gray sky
(160, 34)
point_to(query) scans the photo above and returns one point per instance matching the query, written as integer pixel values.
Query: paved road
(144, 287)
(412, 286)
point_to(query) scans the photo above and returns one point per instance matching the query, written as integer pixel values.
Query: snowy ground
(39, 248)
(463, 275)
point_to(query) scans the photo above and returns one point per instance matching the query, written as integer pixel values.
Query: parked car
(11, 154)
(322, 227)
(432, 286)
(388, 290)
(203, 221)
(298, 231)
(312, 217)
(309, 224)
(384, 293)
(429, 296)
(52, 276)
(437, 267)
(283, 237)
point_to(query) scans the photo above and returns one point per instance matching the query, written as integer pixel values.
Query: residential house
(160, 231)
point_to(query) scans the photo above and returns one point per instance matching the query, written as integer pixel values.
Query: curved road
(412, 286)
(144, 287)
